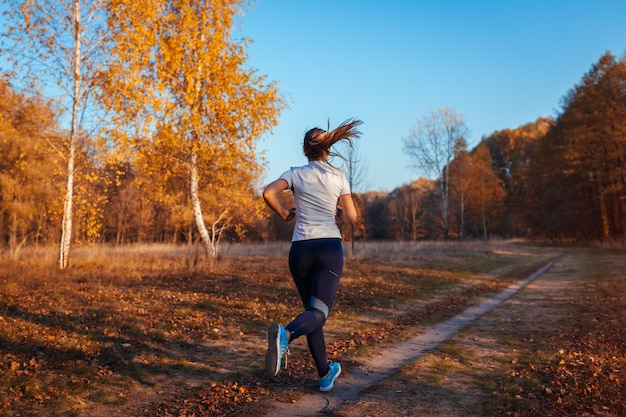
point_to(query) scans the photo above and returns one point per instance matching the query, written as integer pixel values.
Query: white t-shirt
(316, 188)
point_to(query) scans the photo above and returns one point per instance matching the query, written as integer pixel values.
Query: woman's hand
(346, 211)
(270, 195)
(291, 215)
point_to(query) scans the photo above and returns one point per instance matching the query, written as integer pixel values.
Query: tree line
(156, 143)
(562, 178)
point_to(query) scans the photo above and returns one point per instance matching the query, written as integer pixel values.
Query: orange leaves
(579, 380)
(183, 77)
(583, 373)
(219, 399)
(25, 368)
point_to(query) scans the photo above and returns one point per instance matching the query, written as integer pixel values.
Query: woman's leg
(316, 267)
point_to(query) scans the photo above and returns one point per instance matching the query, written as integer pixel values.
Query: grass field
(148, 330)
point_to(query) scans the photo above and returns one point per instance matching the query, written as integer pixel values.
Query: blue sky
(500, 63)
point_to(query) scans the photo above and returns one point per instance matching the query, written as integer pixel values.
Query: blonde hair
(317, 142)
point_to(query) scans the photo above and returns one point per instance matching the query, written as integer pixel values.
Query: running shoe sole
(272, 356)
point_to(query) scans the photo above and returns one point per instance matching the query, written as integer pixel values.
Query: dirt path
(374, 369)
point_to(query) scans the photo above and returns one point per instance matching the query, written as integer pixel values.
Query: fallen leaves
(584, 373)
(230, 398)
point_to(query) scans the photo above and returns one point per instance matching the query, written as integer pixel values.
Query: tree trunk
(216, 235)
(13, 237)
(15, 246)
(66, 232)
(462, 228)
(483, 211)
(207, 243)
(444, 211)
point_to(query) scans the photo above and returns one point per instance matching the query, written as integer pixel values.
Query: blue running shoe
(277, 347)
(328, 382)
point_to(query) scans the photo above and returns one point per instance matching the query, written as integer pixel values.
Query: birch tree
(181, 83)
(58, 46)
(430, 147)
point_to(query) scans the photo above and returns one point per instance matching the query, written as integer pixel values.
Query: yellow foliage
(179, 82)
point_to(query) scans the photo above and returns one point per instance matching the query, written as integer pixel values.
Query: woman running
(321, 193)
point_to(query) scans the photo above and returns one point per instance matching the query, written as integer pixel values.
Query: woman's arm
(347, 211)
(270, 195)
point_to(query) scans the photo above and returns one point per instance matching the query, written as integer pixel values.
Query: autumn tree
(486, 194)
(377, 223)
(124, 212)
(29, 185)
(410, 210)
(594, 120)
(430, 148)
(580, 185)
(60, 45)
(513, 152)
(180, 80)
(459, 169)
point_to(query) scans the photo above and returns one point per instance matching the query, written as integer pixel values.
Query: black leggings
(316, 267)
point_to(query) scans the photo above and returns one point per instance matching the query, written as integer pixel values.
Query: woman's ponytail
(317, 142)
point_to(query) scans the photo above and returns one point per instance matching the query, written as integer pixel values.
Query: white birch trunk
(66, 232)
(197, 209)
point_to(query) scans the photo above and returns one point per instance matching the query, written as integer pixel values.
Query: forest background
(152, 139)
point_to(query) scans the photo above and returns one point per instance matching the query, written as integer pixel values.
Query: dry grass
(152, 330)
